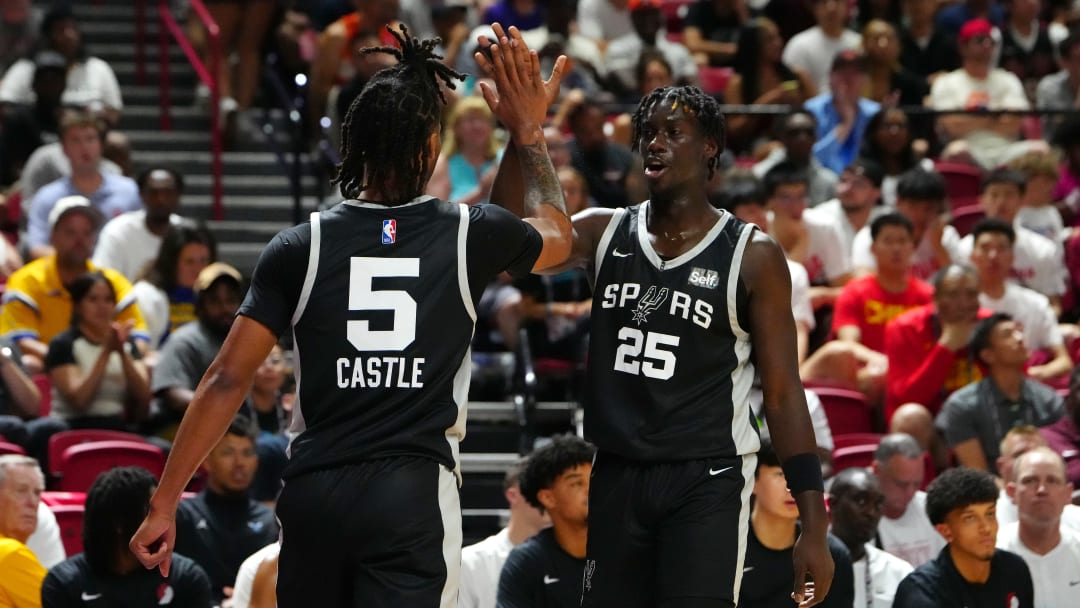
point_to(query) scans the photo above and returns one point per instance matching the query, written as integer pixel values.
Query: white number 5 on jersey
(656, 363)
(363, 297)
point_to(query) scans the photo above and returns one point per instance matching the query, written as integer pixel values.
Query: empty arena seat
(846, 410)
(63, 440)
(81, 464)
(961, 180)
(11, 448)
(850, 439)
(70, 520)
(964, 218)
(853, 456)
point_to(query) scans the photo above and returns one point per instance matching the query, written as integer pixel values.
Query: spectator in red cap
(984, 140)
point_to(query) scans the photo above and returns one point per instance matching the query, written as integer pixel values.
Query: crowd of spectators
(917, 160)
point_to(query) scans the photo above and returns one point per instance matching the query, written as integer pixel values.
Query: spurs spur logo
(652, 300)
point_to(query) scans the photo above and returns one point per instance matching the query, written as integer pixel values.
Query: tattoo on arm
(541, 184)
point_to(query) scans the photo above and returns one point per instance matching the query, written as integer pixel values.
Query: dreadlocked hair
(115, 506)
(387, 126)
(696, 102)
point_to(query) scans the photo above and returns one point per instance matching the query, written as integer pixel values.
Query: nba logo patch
(389, 232)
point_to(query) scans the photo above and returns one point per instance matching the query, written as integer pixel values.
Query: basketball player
(689, 302)
(380, 294)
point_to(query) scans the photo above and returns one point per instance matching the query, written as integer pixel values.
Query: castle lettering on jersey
(653, 301)
(380, 372)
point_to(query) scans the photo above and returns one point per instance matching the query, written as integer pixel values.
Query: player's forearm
(506, 189)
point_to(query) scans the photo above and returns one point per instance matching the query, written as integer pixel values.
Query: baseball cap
(209, 275)
(974, 28)
(74, 204)
(848, 58)
(641, 5)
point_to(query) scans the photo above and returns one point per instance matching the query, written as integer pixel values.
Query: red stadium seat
(965, 218)
(70, 520)
(81, 464)
(63, 440)
(850, 439)
(11, 448)
(714, 81)
(54, 499)
(846, 410)
(853, 456)
(961, 180)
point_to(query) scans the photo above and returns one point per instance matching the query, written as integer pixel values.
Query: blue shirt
(117, 194)
(829, 151)
(504, 14)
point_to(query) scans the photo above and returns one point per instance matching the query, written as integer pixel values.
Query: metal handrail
(208, 76)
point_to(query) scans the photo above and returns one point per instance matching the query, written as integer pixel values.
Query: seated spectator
(247, 590)
(264, 409)
(856, 202)
(26, 128)
(813, 50)
(1037, 261)
(470, 154)
(165, 292)
(1019, 441)
(855, 503)
(925, 48)
(37, 305)
(622, 54)
(130, 242)
(975, 418)
(797, 136)
(806, 239)
(524, 14)
(1064, 435)
(1052, 551)
(969, 570)
(1060, 90)
(558, 36)
(223, 525)
(481, 563)
(929, 356)
(986, 141)
(768, 577)
(21, 485)
(604, 20)
(761, 77)
(904, 529)
(841, 111)
(954, 17)
(889, 82)
(190, 350)
(106, 572)
(449, 21)
(992, 258)
(546, 570)
(45, 542)
(612, 171)
(90, 81)
(110, 194)
(889, 141)
(652, 72)
(711, 30)
(49, 163)
(98, 378)
(20, 399)
(20, 21)
(866, 304)
(920, 197)
(1037, 212)
(1026, 50)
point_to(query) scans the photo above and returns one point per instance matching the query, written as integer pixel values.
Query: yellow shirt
(22, 574)
(37, 305)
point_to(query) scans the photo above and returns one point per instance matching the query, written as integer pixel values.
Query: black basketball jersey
(382, 313)
(669, 355)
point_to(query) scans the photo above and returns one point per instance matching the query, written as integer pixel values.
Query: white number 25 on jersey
(362, 297)
(656, 363)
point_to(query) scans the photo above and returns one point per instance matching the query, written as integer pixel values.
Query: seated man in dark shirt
(221, 526)
(969, 571)
(768, 570)
(106, 573)
(545, 571)
(614, 174)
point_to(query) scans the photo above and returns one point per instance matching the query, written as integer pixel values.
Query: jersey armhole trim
(605, 241)
(312, 268)
(462, 266)
(733, 281)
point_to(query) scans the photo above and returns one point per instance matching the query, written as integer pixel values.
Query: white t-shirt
(923, 262)
(812, 52)
(127, 246)
(911, 537)
(1030, 308)
(45, 542)
(801, 308)
(599, 20)
(822, 433)
(957, 90)
(481, 565)
(1056, 575)
(1045, 221)
(1038, 263)
(832, 212)
(153, 303)
(88, 82)
(826, 257)
(1008, 514)
(623, 54)
(245, 576)
(886, 571)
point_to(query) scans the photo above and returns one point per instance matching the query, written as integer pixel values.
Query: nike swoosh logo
(715, 472)
(619, 254)
(548, 580)
(747, 569)
(86, 597)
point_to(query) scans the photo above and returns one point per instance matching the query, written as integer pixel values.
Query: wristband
(803, 472)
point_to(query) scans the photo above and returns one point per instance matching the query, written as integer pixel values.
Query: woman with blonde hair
(470, 154)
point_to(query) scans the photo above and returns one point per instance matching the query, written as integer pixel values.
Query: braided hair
(703, 107)
(115, 506)
(387, 126)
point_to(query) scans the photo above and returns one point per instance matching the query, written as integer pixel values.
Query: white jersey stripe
(462, 266)
(749, 468)
(297, 425)
(605, 240)
(733, 281)
(312, 270)
(450, 509)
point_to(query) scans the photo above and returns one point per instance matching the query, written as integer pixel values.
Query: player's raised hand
(521, 96)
